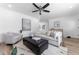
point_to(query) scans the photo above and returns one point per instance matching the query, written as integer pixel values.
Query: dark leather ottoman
(36, 46)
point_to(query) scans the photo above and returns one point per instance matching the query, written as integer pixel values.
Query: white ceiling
(57, 9)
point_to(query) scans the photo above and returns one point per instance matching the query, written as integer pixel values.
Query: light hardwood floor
(73, 45)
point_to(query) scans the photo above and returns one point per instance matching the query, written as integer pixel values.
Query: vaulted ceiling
(56, 9)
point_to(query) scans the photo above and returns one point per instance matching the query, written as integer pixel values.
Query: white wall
(11, 21)
(68, 24)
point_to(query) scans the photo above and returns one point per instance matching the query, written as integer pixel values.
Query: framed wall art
(26, 24)
(57, 24)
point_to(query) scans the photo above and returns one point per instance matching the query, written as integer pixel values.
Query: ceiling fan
(40, 8)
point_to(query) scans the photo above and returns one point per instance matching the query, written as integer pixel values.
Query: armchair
(10, 37)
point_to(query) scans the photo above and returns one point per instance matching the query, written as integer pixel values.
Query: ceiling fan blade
(45, 6)
(35, 5)
(46, 10)
(35, 11)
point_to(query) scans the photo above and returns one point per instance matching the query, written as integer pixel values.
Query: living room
(19, 20)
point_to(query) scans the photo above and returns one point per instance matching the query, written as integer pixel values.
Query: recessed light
(9, 5)
(70, 7)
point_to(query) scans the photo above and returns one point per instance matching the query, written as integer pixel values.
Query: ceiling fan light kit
(40, 8)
